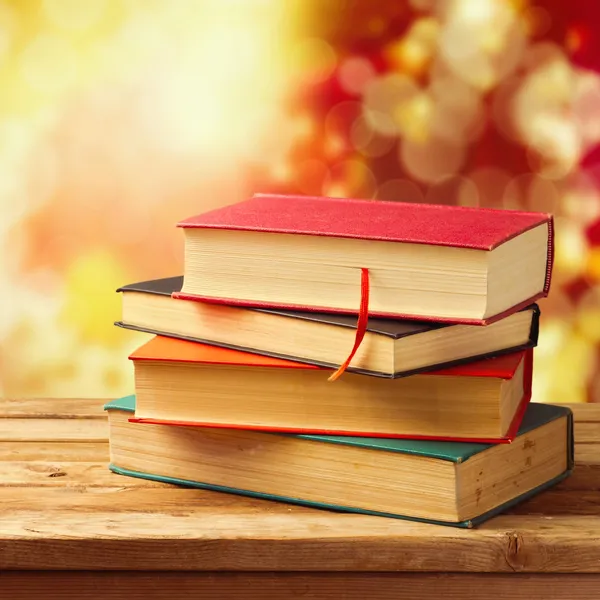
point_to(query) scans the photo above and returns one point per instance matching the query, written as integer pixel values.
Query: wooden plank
(585, 411)
(63, 474)
(295, 541)
(584, 477)
(560, 502)
(54, 451)
(52, 408)
(53, 430)
(587, 432)
(587, 454)
(127, 585)
(145, 500)
(172, 499)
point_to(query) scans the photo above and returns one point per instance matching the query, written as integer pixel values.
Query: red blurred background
(120, 117)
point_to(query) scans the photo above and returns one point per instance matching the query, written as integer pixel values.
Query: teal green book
(448, 483)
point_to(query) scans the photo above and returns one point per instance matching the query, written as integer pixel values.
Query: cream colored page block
(282, 465)
(303, 398)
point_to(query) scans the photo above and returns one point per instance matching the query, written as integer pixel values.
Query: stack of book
(361, 356)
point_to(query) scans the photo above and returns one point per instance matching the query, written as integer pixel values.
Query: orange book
(187, 383)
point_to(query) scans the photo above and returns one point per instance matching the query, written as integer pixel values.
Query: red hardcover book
(442, 263)
(186, 383)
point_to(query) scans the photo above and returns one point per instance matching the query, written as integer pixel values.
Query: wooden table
(71, 529)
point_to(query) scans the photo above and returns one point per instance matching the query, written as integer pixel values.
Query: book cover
(392, 328)
(436, 225)
(172, 350)
(456, 452)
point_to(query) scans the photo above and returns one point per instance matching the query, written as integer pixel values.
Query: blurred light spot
(414, 117)
(314, 59)
(571, 248)
(367, 141)
(558, 143)
(575, 38)
(91, 303)
(49, 64)
(531, 192)
(588, 315)
(354, 178)
(586, 108)
(219, 97)
(74, 14)
(354, 74)
(564, 367)
(335, 190)
(592, 270)
(458, 110)
(400, 190)
(414, 51)
(541, 114)
(281, 171)
(478, 13)
(303, 127)
(383, 96)
(431, 160)
(334, 145)
(482, 41)
(580, 198)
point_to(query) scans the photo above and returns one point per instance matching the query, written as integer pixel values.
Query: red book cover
(438, 225)
(163, 349)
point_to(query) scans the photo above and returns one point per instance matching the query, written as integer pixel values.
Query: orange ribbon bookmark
(361, 325)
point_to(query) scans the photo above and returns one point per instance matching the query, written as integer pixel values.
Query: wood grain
(158, 499)
(588, 454)
(54, 451)
(584, 477)
(221, 539)
(119, 585)
(52, 408)
(61, 509)
(53, 430)
(587, 432)
(560, 502)
(63, 474)
(585, 412)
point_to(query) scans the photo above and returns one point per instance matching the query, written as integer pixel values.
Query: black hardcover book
(391, 348)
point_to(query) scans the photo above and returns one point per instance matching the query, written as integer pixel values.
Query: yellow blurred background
(120, 117)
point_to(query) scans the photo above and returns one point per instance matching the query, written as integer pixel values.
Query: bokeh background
(120, 117)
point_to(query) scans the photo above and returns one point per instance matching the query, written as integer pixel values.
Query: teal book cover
(536, 416)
